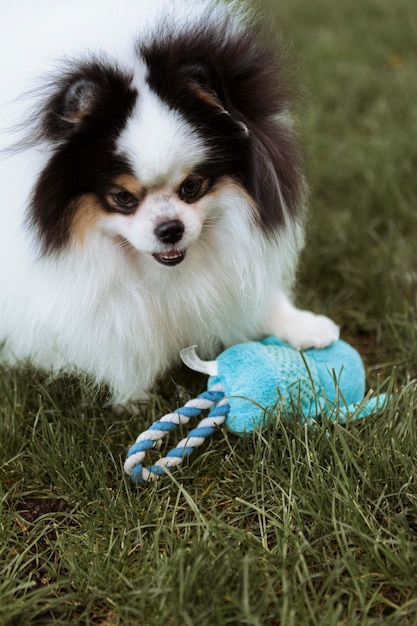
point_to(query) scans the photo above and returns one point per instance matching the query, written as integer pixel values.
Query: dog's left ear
(204, 82)
(258, 94)
(208, 86)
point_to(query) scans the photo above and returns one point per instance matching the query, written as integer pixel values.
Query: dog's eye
(125, 201)
(192, 188)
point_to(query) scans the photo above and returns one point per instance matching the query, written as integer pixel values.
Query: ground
(291, 527)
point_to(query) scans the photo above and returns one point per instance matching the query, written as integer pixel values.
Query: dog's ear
(86, 95)
(69, 106)
(78, 100)
(258, 94)
(205, 83)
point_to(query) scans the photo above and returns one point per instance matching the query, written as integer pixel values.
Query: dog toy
(249, 385)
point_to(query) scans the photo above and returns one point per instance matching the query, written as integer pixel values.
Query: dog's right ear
(78, 100)
(73, 101)
(81, 96)
(90, 93)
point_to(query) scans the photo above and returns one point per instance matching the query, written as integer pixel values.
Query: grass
(292, 527)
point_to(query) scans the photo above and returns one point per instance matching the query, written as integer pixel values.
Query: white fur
(107, 308)
(158, 140)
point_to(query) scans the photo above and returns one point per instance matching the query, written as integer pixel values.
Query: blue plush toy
(251, 384)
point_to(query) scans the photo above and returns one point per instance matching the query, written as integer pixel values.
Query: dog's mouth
(170, 257)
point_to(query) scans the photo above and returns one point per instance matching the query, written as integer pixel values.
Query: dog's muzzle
(170, 233)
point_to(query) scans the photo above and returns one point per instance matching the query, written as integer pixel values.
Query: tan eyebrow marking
(131, 184)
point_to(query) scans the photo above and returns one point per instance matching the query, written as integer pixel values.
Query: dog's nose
(170, 231)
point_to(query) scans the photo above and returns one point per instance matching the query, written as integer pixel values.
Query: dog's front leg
(301, 329)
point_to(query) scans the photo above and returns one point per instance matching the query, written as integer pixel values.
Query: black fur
(251, 87)
(84, 117)
(226, 84)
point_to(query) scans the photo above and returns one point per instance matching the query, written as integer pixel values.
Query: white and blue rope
(213, 399)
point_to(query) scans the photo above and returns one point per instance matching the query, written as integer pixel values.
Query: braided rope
(151, 438)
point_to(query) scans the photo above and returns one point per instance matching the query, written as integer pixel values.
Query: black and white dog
(152, 192)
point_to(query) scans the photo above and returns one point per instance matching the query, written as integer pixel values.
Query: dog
(153, 193)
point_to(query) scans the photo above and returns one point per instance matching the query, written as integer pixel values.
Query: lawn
(291, 527)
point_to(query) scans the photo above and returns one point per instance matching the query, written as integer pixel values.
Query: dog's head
(143, 152)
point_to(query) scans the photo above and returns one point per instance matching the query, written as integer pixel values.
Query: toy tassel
(213, 399)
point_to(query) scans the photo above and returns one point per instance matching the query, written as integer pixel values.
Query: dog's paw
(311, 331)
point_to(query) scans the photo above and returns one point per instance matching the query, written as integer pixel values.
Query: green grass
(292, 527)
